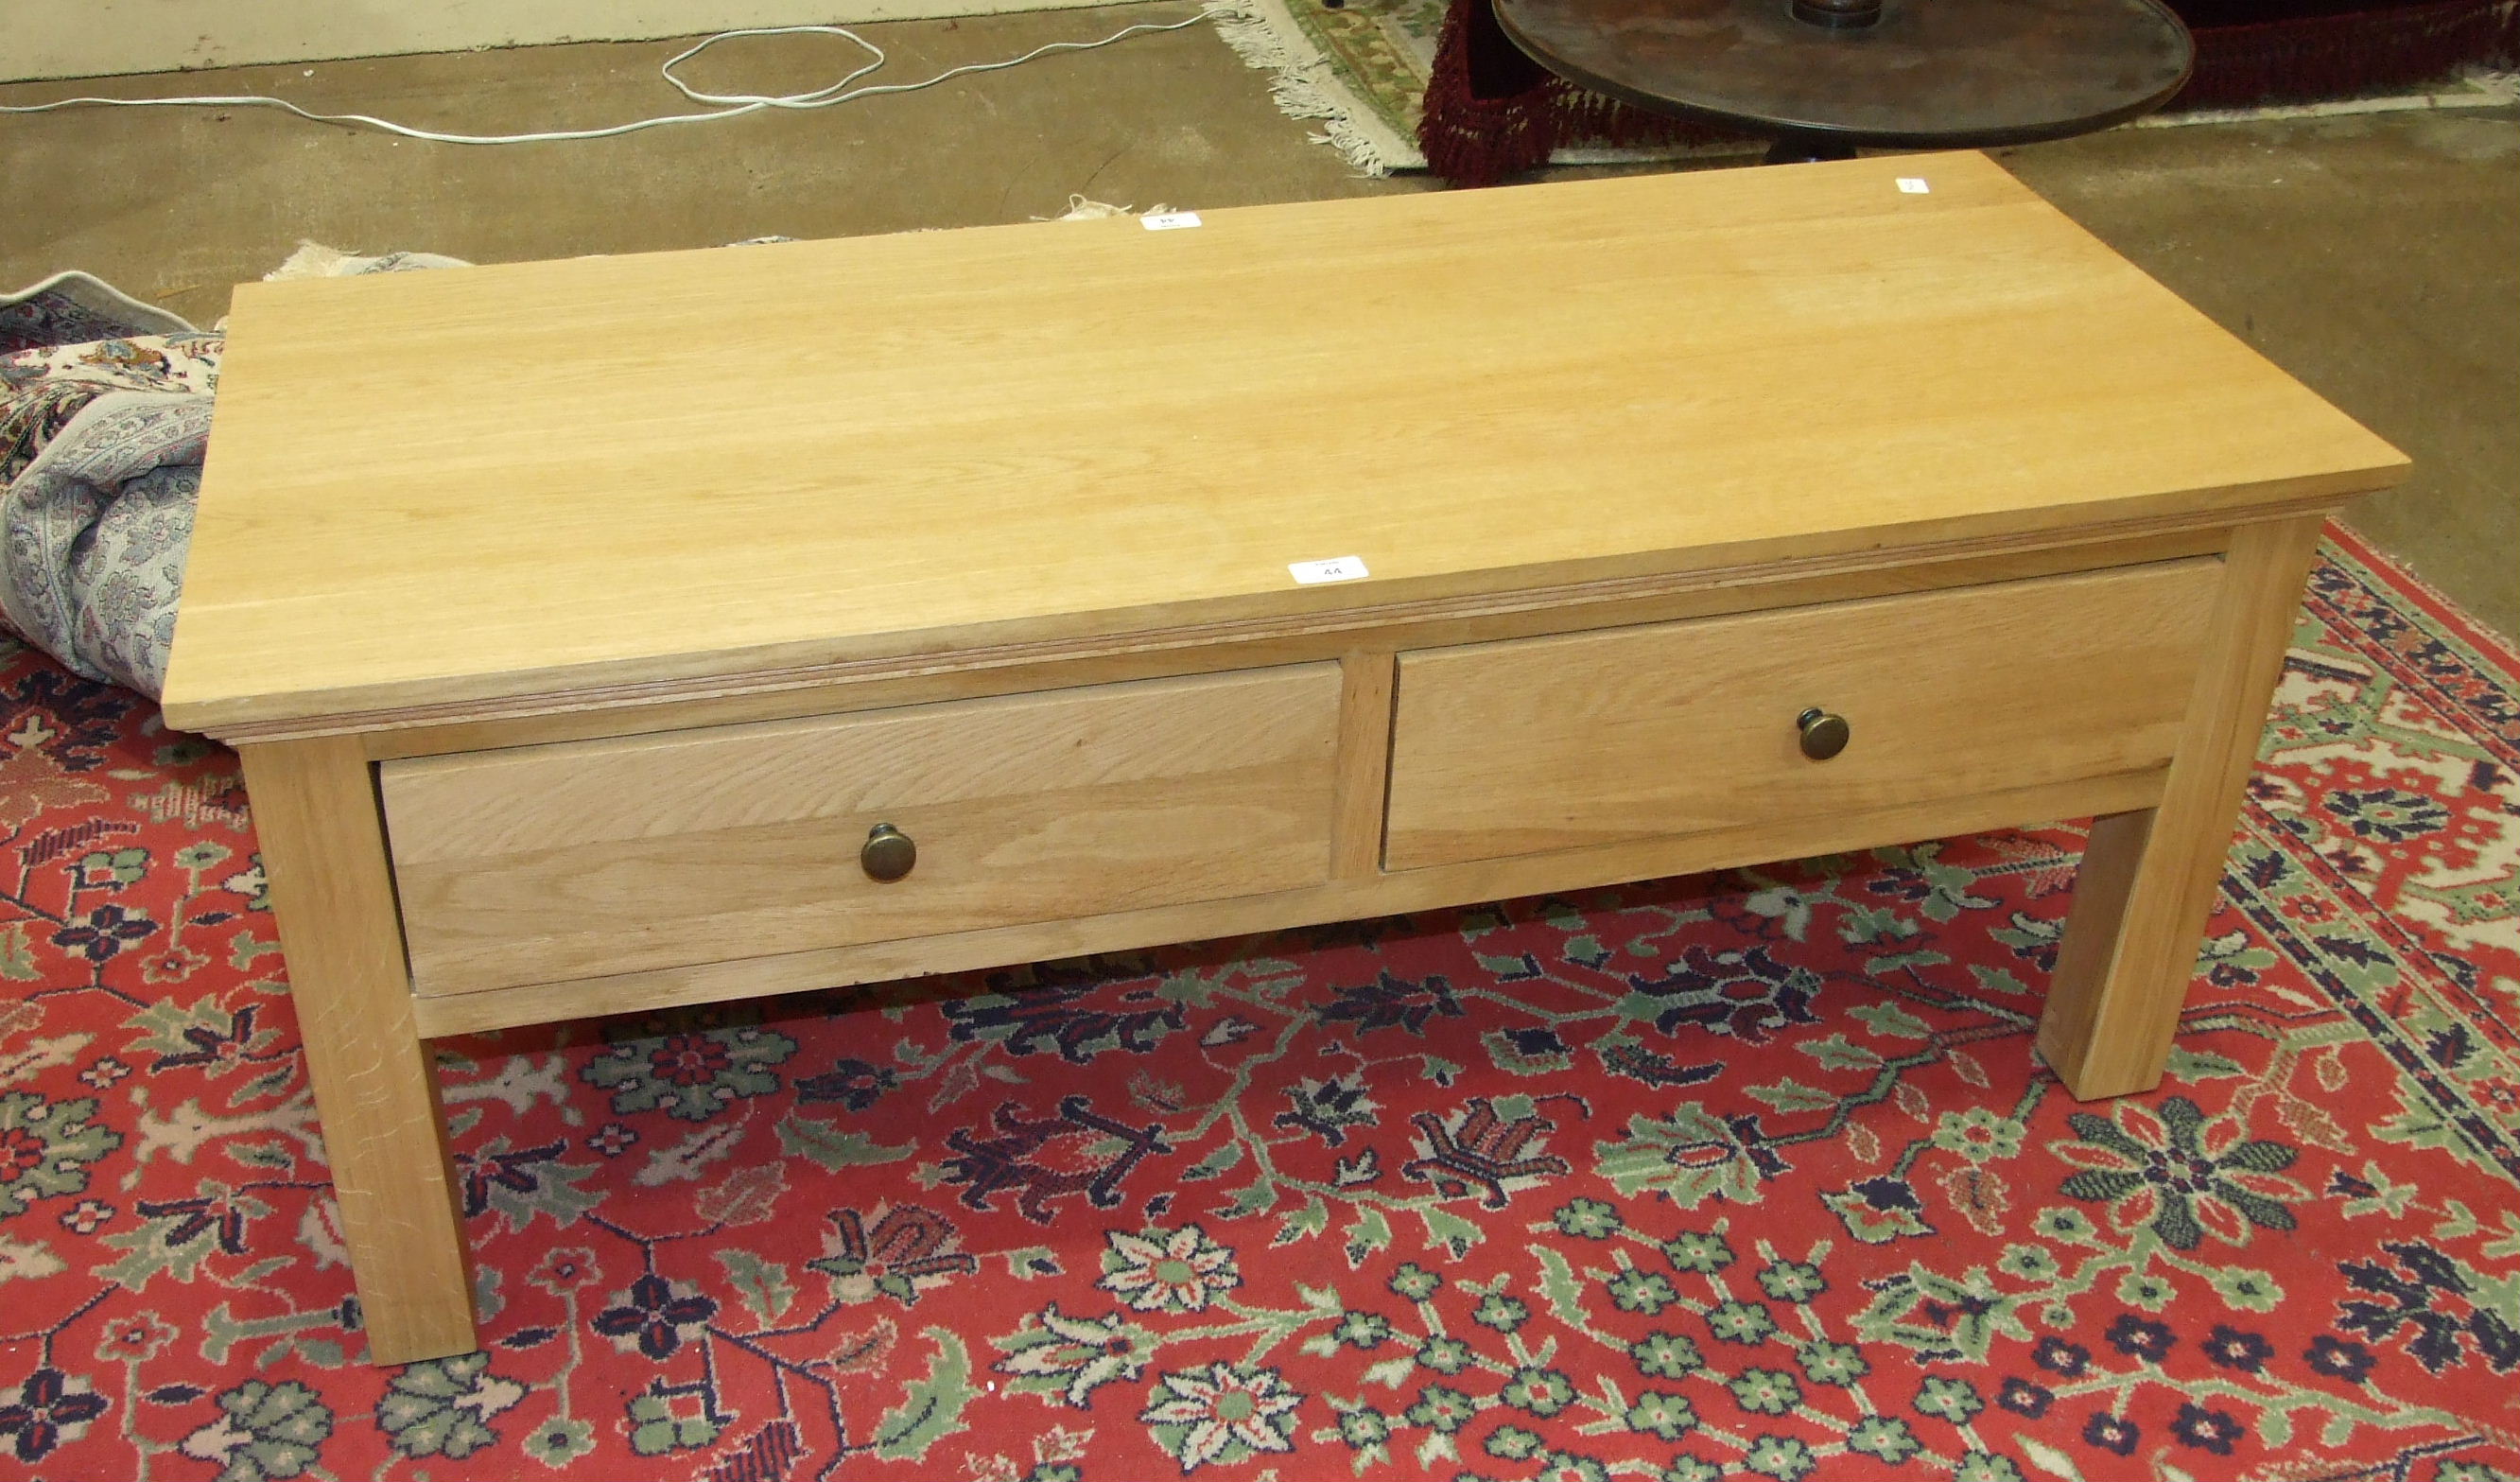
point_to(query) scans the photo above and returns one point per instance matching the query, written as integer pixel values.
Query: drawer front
(544, 864)
(1600, 737)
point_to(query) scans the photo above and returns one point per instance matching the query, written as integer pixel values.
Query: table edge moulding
(943, 596)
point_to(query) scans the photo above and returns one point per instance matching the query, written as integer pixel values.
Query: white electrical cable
(730, 105)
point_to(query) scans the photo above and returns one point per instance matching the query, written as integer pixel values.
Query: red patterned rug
(1742, 1176)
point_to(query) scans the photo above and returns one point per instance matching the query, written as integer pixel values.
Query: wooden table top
(442, 489)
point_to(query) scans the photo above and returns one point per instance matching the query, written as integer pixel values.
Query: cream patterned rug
(1358, 70)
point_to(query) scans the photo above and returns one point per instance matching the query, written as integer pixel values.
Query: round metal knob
(887, 853)
(1824, 734)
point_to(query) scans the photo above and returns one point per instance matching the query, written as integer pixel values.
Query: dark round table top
(1926, 74)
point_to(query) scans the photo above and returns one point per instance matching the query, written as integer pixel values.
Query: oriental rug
(1744, 1175)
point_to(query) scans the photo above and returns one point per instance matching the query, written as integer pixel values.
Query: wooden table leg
(376, 1093)
(2148, 878)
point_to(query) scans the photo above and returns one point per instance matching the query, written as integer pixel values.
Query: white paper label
(1169, 221)
(1336, 568)
(1909, 185)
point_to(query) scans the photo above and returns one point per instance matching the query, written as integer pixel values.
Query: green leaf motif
(2274, 1427)
(170, 1028)
(1449, 1231)
(1558, 1284)
(1890, 963)
(1366, 1234)
(932, 1407)
(2193, 1065)
(1997, 980)
(665, 1422)
(1259, 1194)
(52, 1143)
(2458, 1222)
(1030, 1263)
(1789, 908)
(2049, 1459)
(1186, 988)
(1891, 1020)
(1838, 1052)
(17, 956)
(2419, 1125)
(1219, 1158)
(1688, 1157)
(223, 1332)
(1794, 1095)
(763, 1285)
(551, 1190)
(248, 946)
(29, 1261)
(1941, 1317)
(1303, 1224)
(441, 1406)
(111, 870)
(826, 1143)
(174, 1244)
(265, 1431)
(1872, 923)
(2028, 932)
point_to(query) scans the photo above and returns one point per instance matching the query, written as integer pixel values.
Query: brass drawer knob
(1824, 734)
(887, 853)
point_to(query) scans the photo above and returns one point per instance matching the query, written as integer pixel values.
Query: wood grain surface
(1381, 894)
(1365, 763)
(1212, 648)
(375, 1082)
(1587, 739)
(473, 486)
(2150, 877)
(564, 861)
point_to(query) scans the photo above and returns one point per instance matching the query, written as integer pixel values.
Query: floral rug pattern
(1380, 51)
(1745, 1176)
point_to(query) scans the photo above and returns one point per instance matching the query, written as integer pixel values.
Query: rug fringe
(1300, 84)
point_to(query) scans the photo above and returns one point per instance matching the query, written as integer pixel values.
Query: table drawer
(543, 863)
(1597, 738)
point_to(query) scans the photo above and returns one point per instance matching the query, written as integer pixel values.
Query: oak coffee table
(628, 632)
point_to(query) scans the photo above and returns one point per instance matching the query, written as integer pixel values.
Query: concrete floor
(2374, 256)
(2378, 258)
